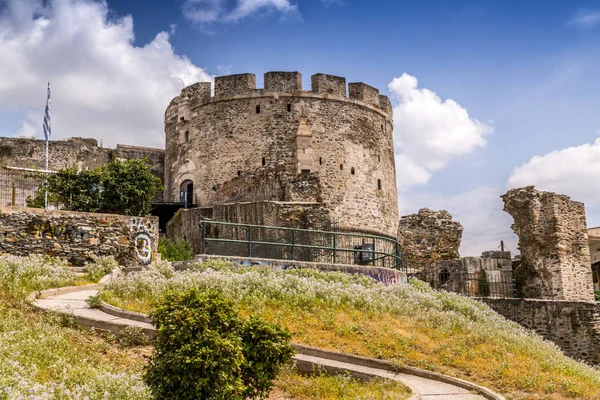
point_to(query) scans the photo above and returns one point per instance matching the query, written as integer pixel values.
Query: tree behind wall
(119, 187)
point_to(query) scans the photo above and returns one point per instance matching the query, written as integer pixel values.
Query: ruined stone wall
(185, 223)
(553, 241)
(573, 325)
(427, 237)
(78, 237)
(31, 153)
(346, 142)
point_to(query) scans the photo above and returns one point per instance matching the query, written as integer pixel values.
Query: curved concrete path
(73, 302)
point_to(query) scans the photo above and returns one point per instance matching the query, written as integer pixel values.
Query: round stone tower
(342, 141)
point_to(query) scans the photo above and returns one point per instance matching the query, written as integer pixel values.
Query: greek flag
(47, 122)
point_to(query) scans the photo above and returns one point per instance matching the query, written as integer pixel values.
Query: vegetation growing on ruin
(409, 324)
(44, 356)
(119, 187)
(178, 250)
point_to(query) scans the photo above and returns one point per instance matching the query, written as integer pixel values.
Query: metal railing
(490, 283)
(17, 185)
(244, 240)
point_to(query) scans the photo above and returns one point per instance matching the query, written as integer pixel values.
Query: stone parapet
(78, 237)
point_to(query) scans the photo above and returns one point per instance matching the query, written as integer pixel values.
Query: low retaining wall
(383, 275)
(78, 236)
(574, 326)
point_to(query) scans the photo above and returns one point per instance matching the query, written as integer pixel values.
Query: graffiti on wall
(142, 230)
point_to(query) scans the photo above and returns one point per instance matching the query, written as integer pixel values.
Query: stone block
(287, 82)
(328, 84)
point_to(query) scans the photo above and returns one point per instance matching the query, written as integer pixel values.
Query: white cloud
(103, 86)
(206, 12)
(479, 210)
(585, 20)
(572, 171)
(429, 132)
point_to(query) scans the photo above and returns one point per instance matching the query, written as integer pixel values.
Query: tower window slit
(289, 107)
(378, 184)
(258, 109)
(264, 161)
(352, 171)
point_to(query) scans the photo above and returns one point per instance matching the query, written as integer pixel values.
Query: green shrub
(179, 250)
(597, 295)
(203, 350)
(94, 301)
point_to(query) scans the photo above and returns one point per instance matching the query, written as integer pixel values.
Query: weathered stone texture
(328, 85)
(553, 241)
(78, 237)
(427, 237)
(574, 326)
(80, 152)
(288, 82)
(235, 84)
(345, 144)
(186, 223)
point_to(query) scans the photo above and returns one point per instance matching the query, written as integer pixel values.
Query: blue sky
(522, 76)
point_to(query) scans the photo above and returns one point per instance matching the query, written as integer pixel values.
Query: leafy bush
(597, 295)
(100, 267)
(203, 350)
(94, 301)
(179, 250)
(122, 187)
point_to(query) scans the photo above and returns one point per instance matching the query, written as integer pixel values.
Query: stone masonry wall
(345, 141)
(81, 152)
(572, 325)
(185, 224)
(78, 237)
(553, 241)
(427, 237)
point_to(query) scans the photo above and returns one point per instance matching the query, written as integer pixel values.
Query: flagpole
(46, 191)
(47, 133)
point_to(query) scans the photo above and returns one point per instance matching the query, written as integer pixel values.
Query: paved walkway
(428, 389)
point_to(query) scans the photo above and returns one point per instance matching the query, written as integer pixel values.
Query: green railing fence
(244, 240)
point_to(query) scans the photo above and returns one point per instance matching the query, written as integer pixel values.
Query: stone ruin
(427, 237)
(553, 240)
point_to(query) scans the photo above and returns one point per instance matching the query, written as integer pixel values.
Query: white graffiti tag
(142, 229)
(143, 247)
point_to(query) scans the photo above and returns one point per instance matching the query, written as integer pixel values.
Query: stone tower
(553, 241)
(280, 140)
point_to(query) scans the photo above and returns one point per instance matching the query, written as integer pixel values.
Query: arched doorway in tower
(186, 192)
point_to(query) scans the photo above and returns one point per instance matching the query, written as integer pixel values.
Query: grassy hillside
(45, 356)
(409, 324)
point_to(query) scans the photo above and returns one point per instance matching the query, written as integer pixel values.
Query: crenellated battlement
(339, 135)
(277, 83)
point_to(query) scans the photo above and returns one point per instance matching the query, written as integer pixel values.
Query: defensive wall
(339, 135)
(77, 236)
(20, 157)
(574, 326)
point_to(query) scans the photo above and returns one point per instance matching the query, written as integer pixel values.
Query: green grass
(411, 325)
(291, 385)
(45, 356)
